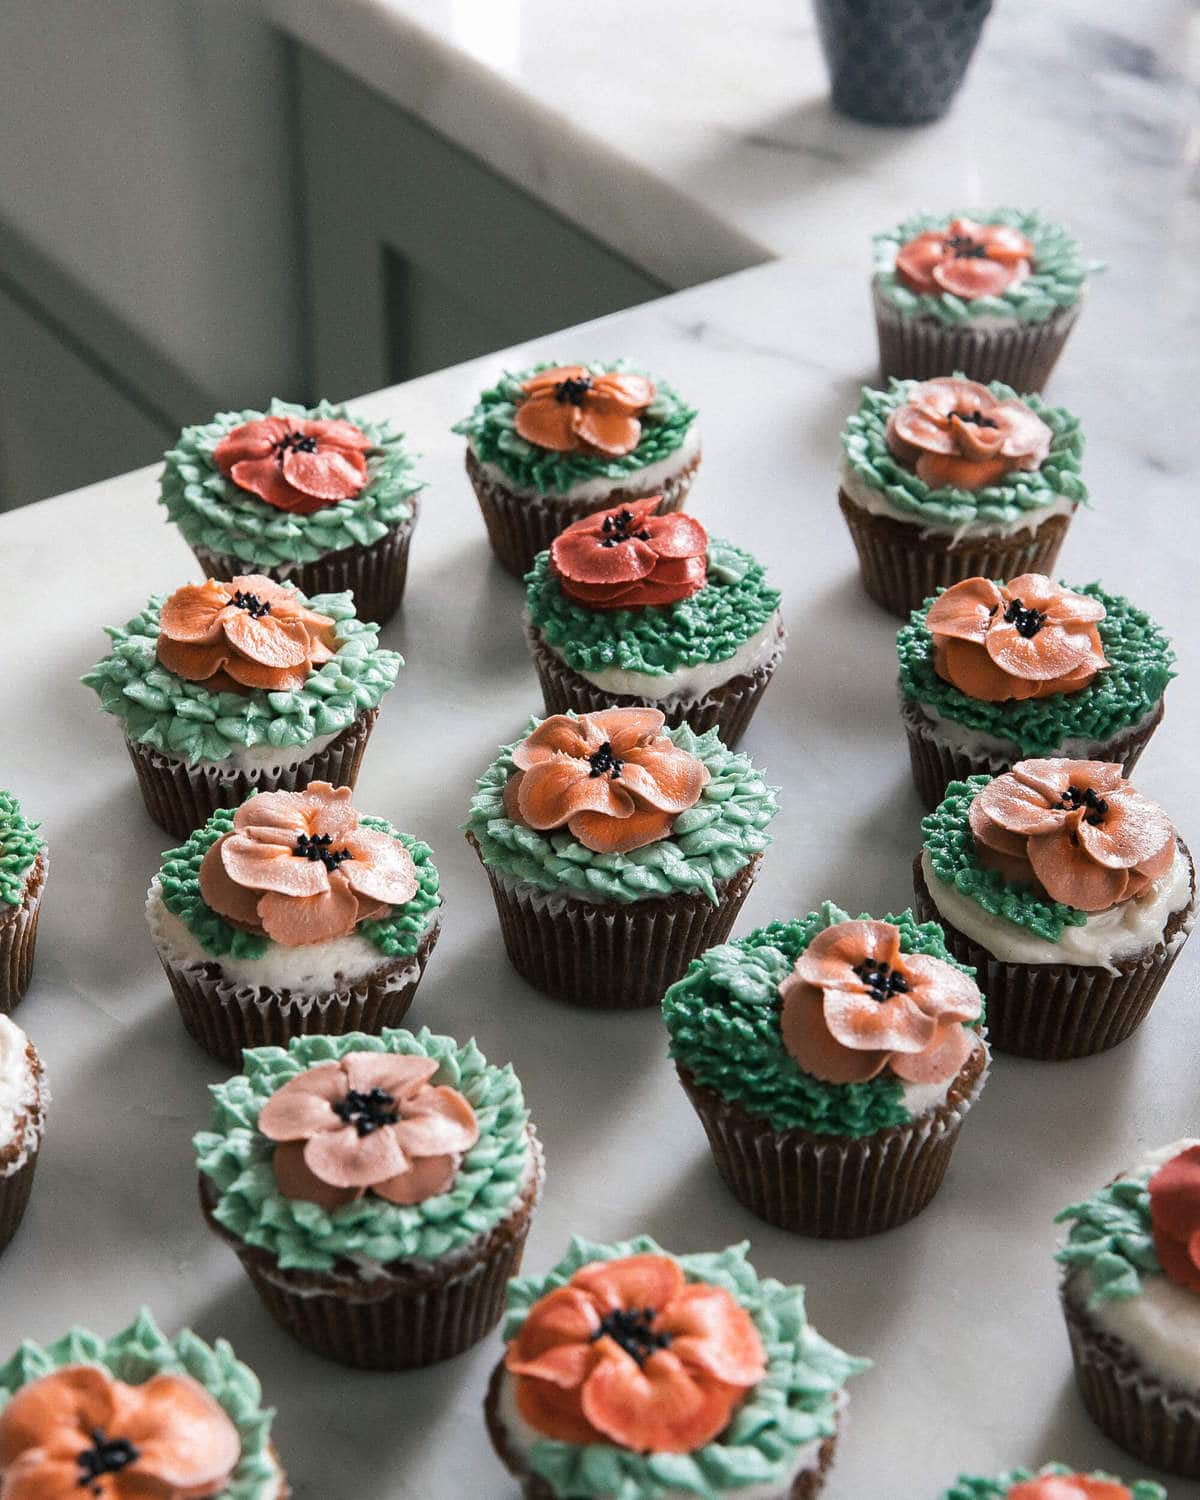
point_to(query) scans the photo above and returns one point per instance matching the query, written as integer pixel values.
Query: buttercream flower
(854, 1005)
(1070, 1487)
(955, 432)
(299, 867)
(630, 1352)
(371, 1122)
(570, 410)
(966, 259)
(1026, 638)
(613, 779)
(1175, 1218)
(1076, 828)
(294, 463)
(629, 557)
(248, 633)
(79, 1432)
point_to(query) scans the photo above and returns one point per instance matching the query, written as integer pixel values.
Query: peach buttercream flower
(295, 464)
(630, 1352)
(1074, 828)
(854, 1005)
(1026, 638)
(1069, 1487)
(371, 1122)
(1175, 1217)
(955, 432)
(299, 867)
(966, 259)
(570, 410)
(629, 557)
(612, 778)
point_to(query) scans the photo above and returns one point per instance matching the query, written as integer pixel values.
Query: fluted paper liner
(18, 937)
(1055, 1012)
(18, 1159)
(406, 1313)
(521, 526)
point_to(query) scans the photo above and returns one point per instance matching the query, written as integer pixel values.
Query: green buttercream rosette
(1111, 1238)
(141, 1351)
(189, 721)
(795, 1404)
(707, 844)
(20, 845)
(212, 512)
(1141, 662)
(491, 429)
(723, 1021)
(236, 1157)
(997, 1487)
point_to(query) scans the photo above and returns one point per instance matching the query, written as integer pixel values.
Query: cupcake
(1131, 1297)
(994, 296)
(814, 1124)
(691, 1373)
(224, 689)
(551, 444)
(377, 1191)
(23, 863)
(293, 916)
(1067, 891)
(310, 496)
(633, 609)
(135, 1416)
(617, 850)
(24, 1095)
(994, 673)
(1051, 1482)
(946, 479)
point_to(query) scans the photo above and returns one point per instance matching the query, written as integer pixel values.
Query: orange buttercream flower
(294, 463)
(1070, 1487)
(629, 557)
(248, 633)
(955, 432)
(854, 1005)
(1026, 638)
(630, 1352)
(1175, 1217)
(570, 410)
(968, 260)
(299, 867)
(1074, 828)
(613, 779)
(79, 1432)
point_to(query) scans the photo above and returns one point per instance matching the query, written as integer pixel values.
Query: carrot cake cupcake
(24, 1096)
(1052, 1482)
(23, 864)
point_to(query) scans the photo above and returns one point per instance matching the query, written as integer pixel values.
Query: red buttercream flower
(967, 259)
(295, 464)
(955, 432)
(1070, 1487)
(630, 1352)
(629, 557)
(570, 410)
(1175, 1217)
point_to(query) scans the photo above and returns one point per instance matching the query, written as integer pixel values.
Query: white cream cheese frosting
(259, 760)
(999, 754)
(867, 498)
(22, 1097)
(644, 481)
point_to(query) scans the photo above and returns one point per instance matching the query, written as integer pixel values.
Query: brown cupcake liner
(902, 564)
(224, 1017)
(606, 956)
(521, 526)
(728, 708)
(1159, 1425)
(18, 937)
(935, 764)
(411, 1313)
(921, 348)
(1055, 1012)
(181, 797)
(375, 574)
(835, 1187)
(19, 1159)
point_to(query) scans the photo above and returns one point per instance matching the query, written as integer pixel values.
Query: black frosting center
(630, 1328)
(320, 847)
(368, 1112)
(881, 980)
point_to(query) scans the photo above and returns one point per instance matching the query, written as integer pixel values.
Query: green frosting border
(20, 845)
(491, 430)
(795, 1403)
(236, 1158)
(708, 843)
(997, 1487)
(723, 1021)
(188, 721)
(1141, 664)
(213, 513)
(1112, 1239)
(141, 1351)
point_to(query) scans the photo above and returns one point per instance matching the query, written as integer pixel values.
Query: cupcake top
(1035, 662)
(615, 807)
(1052, 1482)
(216, 669)
(625, 588)
(134, 1415)
(951, 452)
(635, 1374)
(23, 1098)
(288, 485)
(552, 427)
(366, 1148)
(20, 845)
(995, 266)
(827, 1024)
